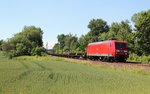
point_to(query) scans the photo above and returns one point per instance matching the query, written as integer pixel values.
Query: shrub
(23, 42)
(136, 58)
(39, 51)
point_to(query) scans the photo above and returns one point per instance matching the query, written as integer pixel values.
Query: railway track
(128, 65)
(77, 58)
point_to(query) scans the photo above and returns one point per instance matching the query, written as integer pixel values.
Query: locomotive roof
(102, 42)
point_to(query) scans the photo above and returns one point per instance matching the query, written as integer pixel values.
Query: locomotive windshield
(121, 45)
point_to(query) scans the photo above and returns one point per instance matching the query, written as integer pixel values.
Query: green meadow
(53, 75)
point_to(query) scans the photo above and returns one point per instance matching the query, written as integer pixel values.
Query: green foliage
(120, 31)
(56, 48)
(23, 42)
(136, 58)
(61, 40)
(66, 43)
(142, 36)
(21, 49)
(97, 27)
(104, 36)
(37, 51)
(1, 42)
(83, 42)
(34, 35)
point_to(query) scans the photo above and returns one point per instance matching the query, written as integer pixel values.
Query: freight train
(111, 50)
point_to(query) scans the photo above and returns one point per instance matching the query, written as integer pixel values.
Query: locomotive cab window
(120, 45)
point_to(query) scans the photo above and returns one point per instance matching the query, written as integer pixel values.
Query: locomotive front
(121, 51)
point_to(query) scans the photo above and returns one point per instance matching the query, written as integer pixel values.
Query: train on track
(111, 50)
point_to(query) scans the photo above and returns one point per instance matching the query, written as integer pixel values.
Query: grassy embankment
(51, 75)
(136, 58)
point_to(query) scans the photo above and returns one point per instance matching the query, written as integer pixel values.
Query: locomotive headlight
(118, 51)
(125, 51)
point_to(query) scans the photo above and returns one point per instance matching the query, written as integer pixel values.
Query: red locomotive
(111, 50)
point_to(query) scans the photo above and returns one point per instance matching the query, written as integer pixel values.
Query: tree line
(27, 42)
(138, 38)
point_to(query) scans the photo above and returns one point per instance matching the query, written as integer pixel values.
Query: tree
(1, 42)
(33, 34)
(56, 48)
(114, 29)
(71, 42)
(74, 46)
(66, 43)
(61, 41)
(142, 36)
(83, 42)
(97, 27)
(120, 31)
(24, 42)
(37, 51)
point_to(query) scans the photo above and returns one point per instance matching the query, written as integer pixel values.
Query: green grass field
(51, 75)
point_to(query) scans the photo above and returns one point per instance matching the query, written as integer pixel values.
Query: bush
(23, 42)
(136, 58)
(39, 51)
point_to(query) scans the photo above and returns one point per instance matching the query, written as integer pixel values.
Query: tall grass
(51, 75)
(136, 58)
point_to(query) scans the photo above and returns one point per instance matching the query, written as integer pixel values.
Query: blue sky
(63, 16)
